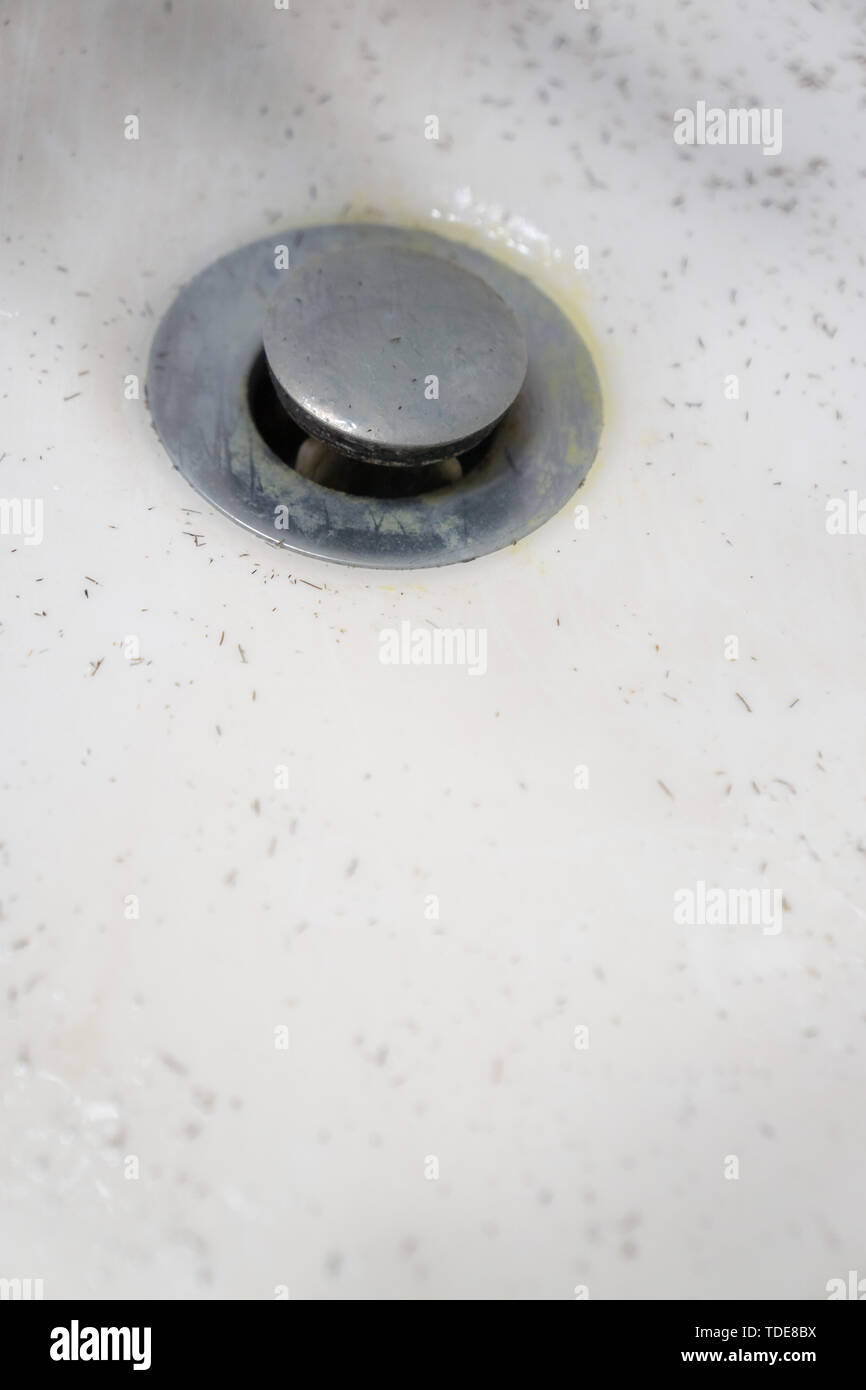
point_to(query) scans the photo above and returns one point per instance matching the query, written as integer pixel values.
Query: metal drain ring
(197, 391)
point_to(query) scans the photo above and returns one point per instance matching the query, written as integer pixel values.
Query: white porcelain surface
(260, 908)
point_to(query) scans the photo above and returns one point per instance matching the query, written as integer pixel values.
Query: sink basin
(332, 972)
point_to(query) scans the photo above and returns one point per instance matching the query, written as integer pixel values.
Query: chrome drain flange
(398, 349)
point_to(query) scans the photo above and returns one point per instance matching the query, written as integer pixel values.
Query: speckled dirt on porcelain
(150, 777)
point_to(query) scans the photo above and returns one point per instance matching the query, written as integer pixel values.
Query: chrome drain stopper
(393, 355)
(375, 346)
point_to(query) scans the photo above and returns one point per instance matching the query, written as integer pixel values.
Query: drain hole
(316, 461)
(277, 429)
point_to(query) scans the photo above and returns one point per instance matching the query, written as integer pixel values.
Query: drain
(393, 355)
(329, 467)
(308, 404)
